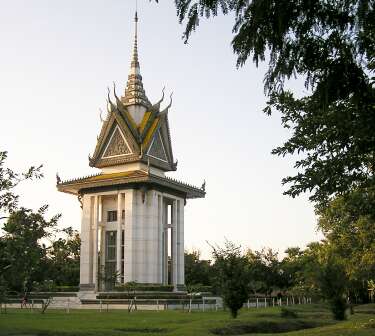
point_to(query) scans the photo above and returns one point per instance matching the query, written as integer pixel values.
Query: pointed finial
(135, 63)
(204, 185)
(134, 92)
(101, 118)
(165, 111)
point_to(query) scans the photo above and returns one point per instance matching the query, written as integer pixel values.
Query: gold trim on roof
(150, 133)
(143, 123)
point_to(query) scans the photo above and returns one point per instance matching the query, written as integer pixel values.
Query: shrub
(287, 313)
(145, 287)
(338, 307)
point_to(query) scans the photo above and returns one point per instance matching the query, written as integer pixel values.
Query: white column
(118, 242)
(165, 242)
(152, 247)
(180, 243)
(129, 230)
(86, 244)
(174, 244)
(95, 241)
(160, 239)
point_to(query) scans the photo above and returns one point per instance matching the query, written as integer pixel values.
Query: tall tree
(64, 258)
(348, 224)
(23, 248)
(264, 271)
(231, 276)
(9, 179)
(197, 271)
(330, 44)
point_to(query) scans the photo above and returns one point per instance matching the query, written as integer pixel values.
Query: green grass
(120, 323)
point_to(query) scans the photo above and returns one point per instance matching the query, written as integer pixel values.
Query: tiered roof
(130, 179)
(123, 140)
(135, 93)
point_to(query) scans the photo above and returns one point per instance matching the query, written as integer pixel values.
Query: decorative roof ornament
(101, 118)
(203, 187)
(110, 105)
(165, 111)
(157, 105)
(134, 92)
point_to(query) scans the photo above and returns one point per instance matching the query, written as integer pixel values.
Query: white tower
(132, 213)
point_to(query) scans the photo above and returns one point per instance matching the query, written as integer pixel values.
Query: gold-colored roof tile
(150, 132)
(146, 117)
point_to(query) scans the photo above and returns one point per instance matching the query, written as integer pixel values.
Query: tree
(197, 271)
(9, 179)
(23, 249)
(64, 258)
(348, 224)
(330, 44)
(231, 276)
(332, 281)
(264, 270)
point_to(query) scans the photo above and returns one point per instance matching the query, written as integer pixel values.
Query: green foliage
(288, 313)
(338, 308)
(133, 286)
(22, 249)
(9, 179)
(108, 277)
(371, 289)
(84, 322)
(231, 276)
(197, 271)
(265, 271)
(332, 281)
(348, 224)
(64, 258)
(330, 44)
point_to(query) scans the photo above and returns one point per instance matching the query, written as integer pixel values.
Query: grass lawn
(250, 322)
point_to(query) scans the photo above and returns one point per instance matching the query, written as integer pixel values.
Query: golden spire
(134, 92)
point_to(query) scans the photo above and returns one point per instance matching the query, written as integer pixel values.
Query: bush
(198, 288)
(338, 307)
(231, 276)
(287, 313)
(65, 289)
(145, 287)
(44, 286)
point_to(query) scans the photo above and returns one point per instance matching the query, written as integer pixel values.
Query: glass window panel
(112, 216)
(110, 245)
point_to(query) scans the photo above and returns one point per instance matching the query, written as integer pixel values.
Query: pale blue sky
(57, 60)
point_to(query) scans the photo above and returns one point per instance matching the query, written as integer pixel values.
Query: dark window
(110, 246)
(110, 259)
(122, 255)
(112, 216)
(123, 214)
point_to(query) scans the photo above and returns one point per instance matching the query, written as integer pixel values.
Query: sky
(57, 60)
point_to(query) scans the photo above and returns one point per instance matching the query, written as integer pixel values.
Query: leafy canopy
(231, 276)
(23, 249)
(331, 44)
(9, 179)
